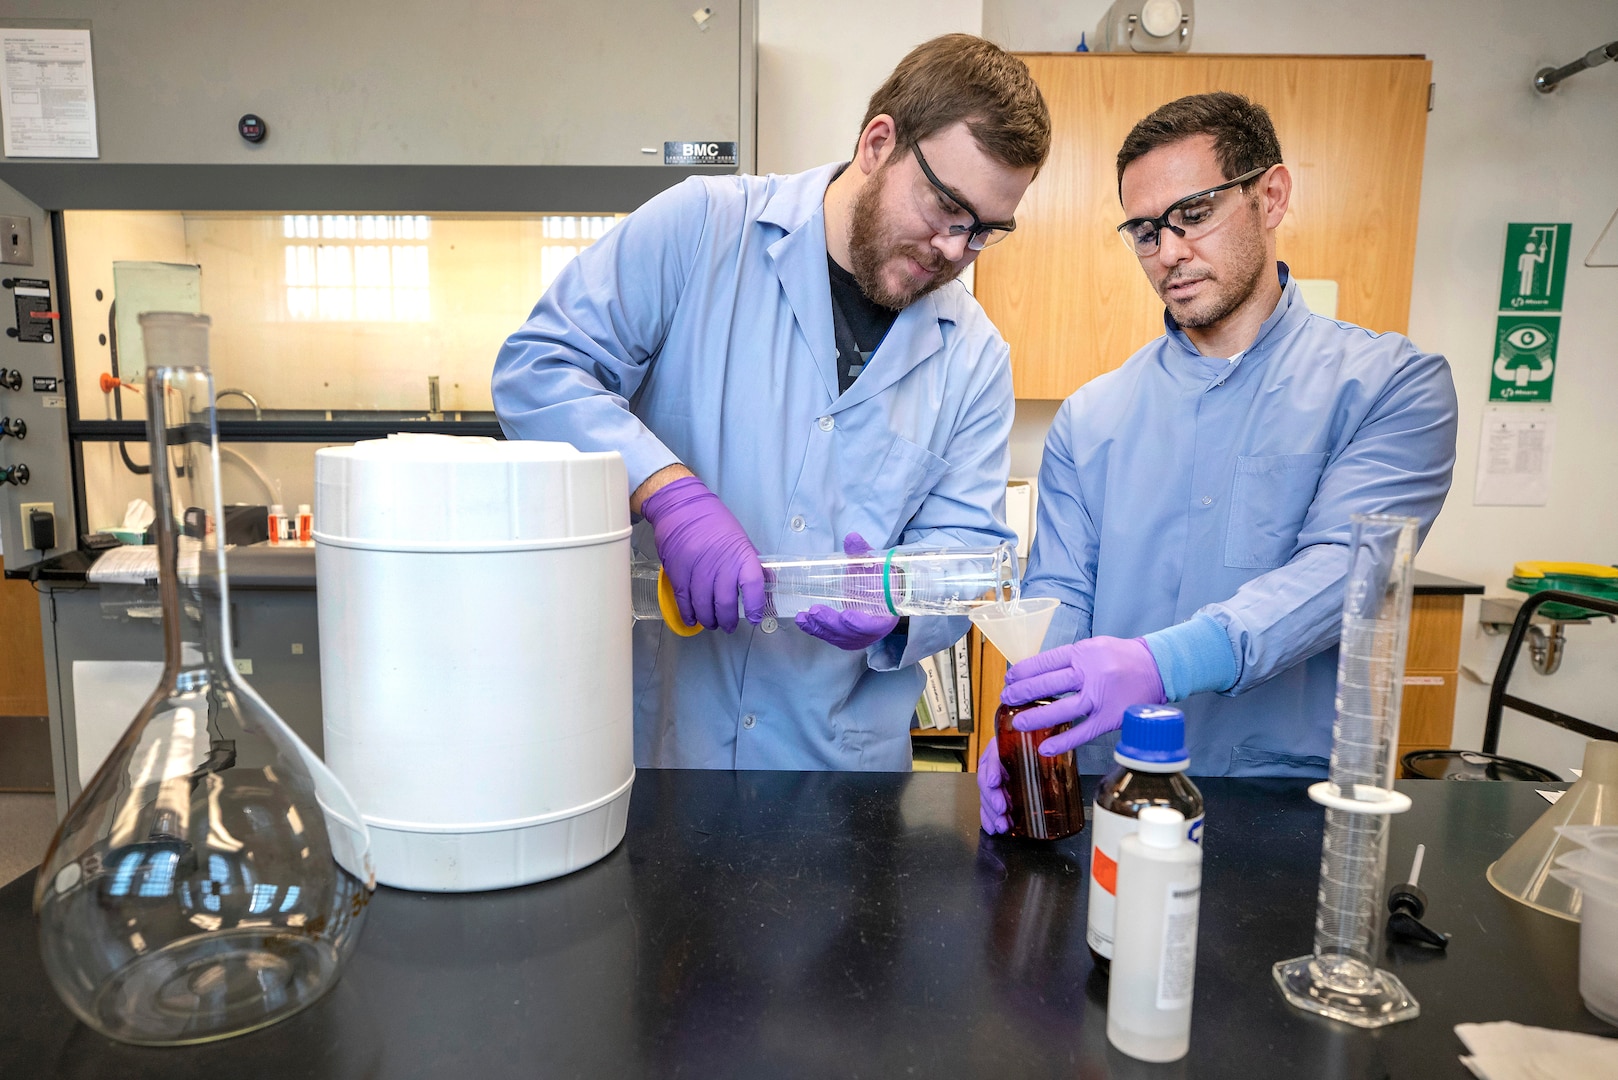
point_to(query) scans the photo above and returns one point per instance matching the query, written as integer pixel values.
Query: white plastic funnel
(1017, 629)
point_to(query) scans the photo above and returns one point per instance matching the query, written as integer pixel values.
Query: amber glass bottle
(1150, 771)
(1043, 792)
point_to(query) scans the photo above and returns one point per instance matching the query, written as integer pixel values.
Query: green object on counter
(1590, 579)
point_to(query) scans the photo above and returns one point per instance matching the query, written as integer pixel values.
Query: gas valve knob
(10, 380)
(14, 474)
(15, 428)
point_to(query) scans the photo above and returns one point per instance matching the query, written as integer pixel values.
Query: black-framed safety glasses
(980, 234)
(1188, 218)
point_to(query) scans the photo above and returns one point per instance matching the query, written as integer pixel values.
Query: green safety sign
(1524, 357)
(1535, 267)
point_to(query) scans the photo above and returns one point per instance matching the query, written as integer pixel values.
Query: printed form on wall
(1514, 456)
(47, 93)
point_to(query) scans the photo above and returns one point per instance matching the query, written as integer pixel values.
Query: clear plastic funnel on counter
(1017, 628)
(1524, 871)
(898, 581)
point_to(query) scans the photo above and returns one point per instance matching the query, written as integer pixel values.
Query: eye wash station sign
(1532, 278)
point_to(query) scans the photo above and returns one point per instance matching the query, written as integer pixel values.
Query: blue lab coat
(699, 330)
(1182, 484)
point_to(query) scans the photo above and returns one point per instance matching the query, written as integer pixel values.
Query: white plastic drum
(475, 654)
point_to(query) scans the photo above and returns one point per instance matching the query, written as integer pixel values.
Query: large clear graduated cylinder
(213, 876)
(1341, 978)
(900, 581)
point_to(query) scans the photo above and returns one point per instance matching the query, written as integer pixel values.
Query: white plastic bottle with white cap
(1154, 955)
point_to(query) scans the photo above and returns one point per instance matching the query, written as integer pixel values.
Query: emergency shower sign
(1524, 357)
(1535, 267)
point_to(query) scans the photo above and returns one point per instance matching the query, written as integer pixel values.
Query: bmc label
(699, 153)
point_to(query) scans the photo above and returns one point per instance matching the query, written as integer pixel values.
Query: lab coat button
(1207, 500)
(749, 720)
(827, 423)
(798, 524)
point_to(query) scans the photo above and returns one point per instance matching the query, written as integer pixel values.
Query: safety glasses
(1190, 217)
(980, 234)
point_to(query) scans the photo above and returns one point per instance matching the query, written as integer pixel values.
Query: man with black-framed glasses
(787, 364)
(1194, 504)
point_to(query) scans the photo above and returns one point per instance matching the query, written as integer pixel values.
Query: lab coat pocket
(1268, 501)
(898, 487)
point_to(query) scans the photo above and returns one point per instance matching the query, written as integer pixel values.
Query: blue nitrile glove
(994, 811)
(852, 631)
(706, 555)
(1102, 675)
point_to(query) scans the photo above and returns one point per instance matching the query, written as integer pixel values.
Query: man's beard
(871, 247)
(1235, 288)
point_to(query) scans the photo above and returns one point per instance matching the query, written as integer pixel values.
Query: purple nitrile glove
(852, 631)
(994, 810)
(706, 554)
(1102, 675)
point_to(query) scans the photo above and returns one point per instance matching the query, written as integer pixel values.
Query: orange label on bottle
(1105, 870)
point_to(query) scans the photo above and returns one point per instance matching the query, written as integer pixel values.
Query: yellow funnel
(1524, 871)
(1017, 629)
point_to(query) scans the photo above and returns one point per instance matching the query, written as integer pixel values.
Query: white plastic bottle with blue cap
(1150, 771)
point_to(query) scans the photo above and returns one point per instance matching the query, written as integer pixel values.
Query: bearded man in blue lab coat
(787, 364)
(1194, 504)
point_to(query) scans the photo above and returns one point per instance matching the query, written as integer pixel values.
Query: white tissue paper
(1508, 1051)
(138, 515)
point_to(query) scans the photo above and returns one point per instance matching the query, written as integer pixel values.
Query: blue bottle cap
(1153, 735)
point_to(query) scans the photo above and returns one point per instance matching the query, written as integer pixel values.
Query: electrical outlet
(27, 533)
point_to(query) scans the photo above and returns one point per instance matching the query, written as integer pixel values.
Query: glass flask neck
(192, 582)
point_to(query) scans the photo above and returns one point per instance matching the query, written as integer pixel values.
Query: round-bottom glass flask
(212, 878)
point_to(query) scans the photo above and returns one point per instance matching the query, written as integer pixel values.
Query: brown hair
(958, 78)
(1243, 134)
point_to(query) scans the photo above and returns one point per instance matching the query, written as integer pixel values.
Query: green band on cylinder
(887, 584)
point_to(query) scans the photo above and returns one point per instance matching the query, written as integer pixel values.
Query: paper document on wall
(1514, 456)
(47, 93)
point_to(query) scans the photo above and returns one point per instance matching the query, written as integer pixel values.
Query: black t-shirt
(860, 324)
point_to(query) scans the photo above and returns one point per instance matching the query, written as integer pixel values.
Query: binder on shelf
(944, 659)
(963, 687)
(933, 693)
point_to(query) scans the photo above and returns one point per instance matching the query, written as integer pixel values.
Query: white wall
(1496, 152)
(819, 62)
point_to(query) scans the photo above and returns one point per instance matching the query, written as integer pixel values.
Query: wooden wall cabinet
(1071, 299)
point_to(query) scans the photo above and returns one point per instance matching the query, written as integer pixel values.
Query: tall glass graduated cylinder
(1341, 979)
(212, 878)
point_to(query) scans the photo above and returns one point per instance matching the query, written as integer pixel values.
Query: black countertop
(252, 566)
(858, 925)
(1430, 584)
(290, 566)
